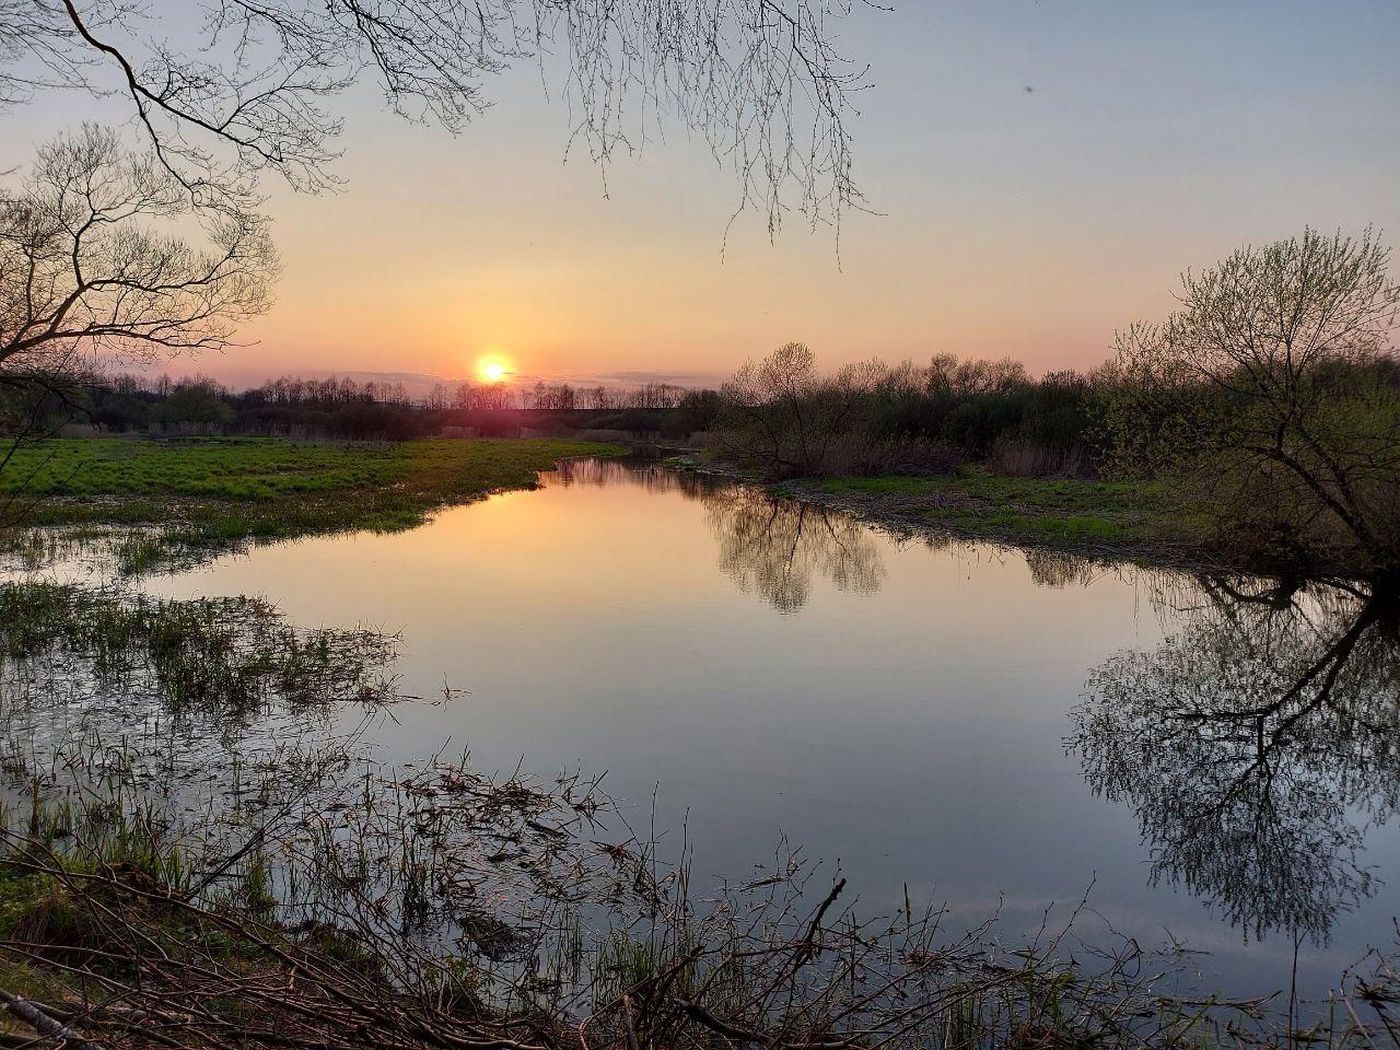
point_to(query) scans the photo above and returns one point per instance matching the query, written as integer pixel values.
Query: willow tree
(1268, 404)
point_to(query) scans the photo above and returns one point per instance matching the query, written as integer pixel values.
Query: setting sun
(493, 369)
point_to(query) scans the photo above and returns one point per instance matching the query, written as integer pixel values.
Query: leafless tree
(103, 258)
(948, 375)
(493, 397)
(599, 397)
(438, 398)
(248, 88)
(99, 259)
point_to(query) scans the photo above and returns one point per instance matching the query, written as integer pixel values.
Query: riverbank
(285, 891)
(1118, 519)
(181, 497)
(167, 502)
(1106, 519)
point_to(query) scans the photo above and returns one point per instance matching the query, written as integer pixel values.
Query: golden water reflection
(776, 548)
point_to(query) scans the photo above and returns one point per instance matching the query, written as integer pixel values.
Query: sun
(493, 369)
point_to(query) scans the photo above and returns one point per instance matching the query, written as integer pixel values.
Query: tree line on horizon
(342, 407)
(1264, 411)
(965, 409)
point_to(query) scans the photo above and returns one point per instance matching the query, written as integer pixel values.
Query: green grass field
(214, 492)
(1056, 511)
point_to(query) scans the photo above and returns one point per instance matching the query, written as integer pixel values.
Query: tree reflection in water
(775, 548)
(771, 547)
(1055, 569)
(649, 476)
(1255, 745)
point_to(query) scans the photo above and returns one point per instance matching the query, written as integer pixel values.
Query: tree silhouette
(226, 91)
(97, 257)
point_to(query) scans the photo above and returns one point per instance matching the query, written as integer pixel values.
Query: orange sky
(1014, 222)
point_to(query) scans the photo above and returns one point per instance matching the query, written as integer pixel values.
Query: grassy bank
(1119, 518)
(210, 493)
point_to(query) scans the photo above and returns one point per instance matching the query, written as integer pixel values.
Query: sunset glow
(1001, 221)
(493, 369)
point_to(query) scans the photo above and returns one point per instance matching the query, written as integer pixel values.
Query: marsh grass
(162, 502)
(274, 952)
(236, 656)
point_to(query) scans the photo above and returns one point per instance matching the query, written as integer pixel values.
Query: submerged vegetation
(209, 494)
(233, 657)
(120, 929)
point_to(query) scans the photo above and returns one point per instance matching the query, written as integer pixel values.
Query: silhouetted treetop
(229, 89)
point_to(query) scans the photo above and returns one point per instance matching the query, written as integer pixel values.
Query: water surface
(996, 730)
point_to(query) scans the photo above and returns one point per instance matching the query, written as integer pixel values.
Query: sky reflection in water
(916, 711)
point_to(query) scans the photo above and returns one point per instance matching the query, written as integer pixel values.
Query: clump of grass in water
(233, 655)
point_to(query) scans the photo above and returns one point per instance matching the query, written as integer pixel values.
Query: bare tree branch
(93, 263)
(249, 91)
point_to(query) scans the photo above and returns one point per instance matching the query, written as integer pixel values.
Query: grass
(1066, 512)
(207, 493)
(231, 655)
(110, 944)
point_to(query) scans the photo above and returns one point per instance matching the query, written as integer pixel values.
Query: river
(996, 730)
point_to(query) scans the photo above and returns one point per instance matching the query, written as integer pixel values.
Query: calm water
(995, 730)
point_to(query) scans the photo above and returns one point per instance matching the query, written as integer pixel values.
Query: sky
(1005, 221)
